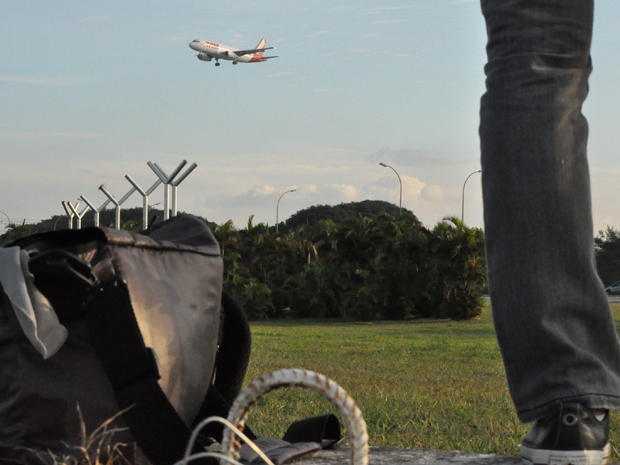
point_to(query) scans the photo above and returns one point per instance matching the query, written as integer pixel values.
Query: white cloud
(349, 191)
(412, 187)
(264, 190)
(433, 192)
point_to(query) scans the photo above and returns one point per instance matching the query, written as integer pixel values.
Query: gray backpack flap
(118, 322)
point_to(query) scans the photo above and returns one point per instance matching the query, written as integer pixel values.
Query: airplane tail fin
(261, 44)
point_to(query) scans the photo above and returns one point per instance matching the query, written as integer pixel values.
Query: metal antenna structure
(95, 210)
(145, 198)
(117, 203)
(78, 216)
(168, 182)
(70, 214)
(175, 186)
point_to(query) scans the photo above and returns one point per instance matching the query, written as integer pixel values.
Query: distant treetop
(338, 213)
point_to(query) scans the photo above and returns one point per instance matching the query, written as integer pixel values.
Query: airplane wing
(250, 52)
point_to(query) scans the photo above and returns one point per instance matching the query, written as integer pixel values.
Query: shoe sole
(561, 457)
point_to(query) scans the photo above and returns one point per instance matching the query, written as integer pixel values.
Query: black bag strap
(322, 429)
(132, 370)
(231, 364)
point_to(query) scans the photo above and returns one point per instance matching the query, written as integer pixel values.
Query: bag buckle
(64, 278)
(61, 263)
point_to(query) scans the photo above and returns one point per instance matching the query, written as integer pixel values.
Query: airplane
(209, 50)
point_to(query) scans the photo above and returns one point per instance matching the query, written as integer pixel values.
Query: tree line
(388, 268)
(359, 266)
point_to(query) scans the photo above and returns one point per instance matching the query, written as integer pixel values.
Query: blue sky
(91, 91)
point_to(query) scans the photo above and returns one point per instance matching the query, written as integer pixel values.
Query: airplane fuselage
(219, 51)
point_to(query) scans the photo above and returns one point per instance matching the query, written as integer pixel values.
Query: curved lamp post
(463, 196)
(400, 204)
(278, 206)
(8, 219)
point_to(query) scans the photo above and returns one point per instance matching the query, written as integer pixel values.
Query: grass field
(420, 383)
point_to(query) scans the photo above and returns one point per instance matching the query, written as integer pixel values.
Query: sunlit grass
(420, 383)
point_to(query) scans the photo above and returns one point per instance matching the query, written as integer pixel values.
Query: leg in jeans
(553, 322)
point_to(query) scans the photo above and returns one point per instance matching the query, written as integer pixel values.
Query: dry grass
(95, 448)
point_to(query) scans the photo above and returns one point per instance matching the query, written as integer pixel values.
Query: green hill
(338, 213)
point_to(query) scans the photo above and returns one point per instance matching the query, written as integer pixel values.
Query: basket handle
(289, 377)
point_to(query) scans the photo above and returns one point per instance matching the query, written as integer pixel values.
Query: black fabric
(247, 454)
(292, 451)
(155, 425)
(302, 437)
(64, 278)
(62, 237)
(234, 353)
(231, 363)
(276, 450)
(322, 429)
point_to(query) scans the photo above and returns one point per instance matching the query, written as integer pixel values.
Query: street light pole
(8, 219)
(400, 205)
(278, 206)
(463, 196)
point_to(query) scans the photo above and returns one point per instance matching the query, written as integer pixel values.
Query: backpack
(110, 337)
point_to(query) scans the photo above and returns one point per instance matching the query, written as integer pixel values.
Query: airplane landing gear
(235, 62)
(217, 63)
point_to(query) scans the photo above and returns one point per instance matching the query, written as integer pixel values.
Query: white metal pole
(95, 210)
(278, 206)
(164, 179)
(78, 216)
(145, 199)
(463, 196)
(175, 185)
(117, 213)
(8, 219)
(69, 214)
(400, 204)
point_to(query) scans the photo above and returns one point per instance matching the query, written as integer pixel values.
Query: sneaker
(571, 435)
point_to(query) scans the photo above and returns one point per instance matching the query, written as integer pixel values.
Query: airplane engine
(204, 57)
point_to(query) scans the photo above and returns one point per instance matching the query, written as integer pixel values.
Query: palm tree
(14, 231)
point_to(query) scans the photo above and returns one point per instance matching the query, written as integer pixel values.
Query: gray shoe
(570, 435)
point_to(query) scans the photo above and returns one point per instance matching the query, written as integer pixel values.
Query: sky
(92, 91)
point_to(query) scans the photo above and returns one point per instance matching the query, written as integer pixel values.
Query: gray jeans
(551, 314)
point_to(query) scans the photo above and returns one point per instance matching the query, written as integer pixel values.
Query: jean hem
(603, 401)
